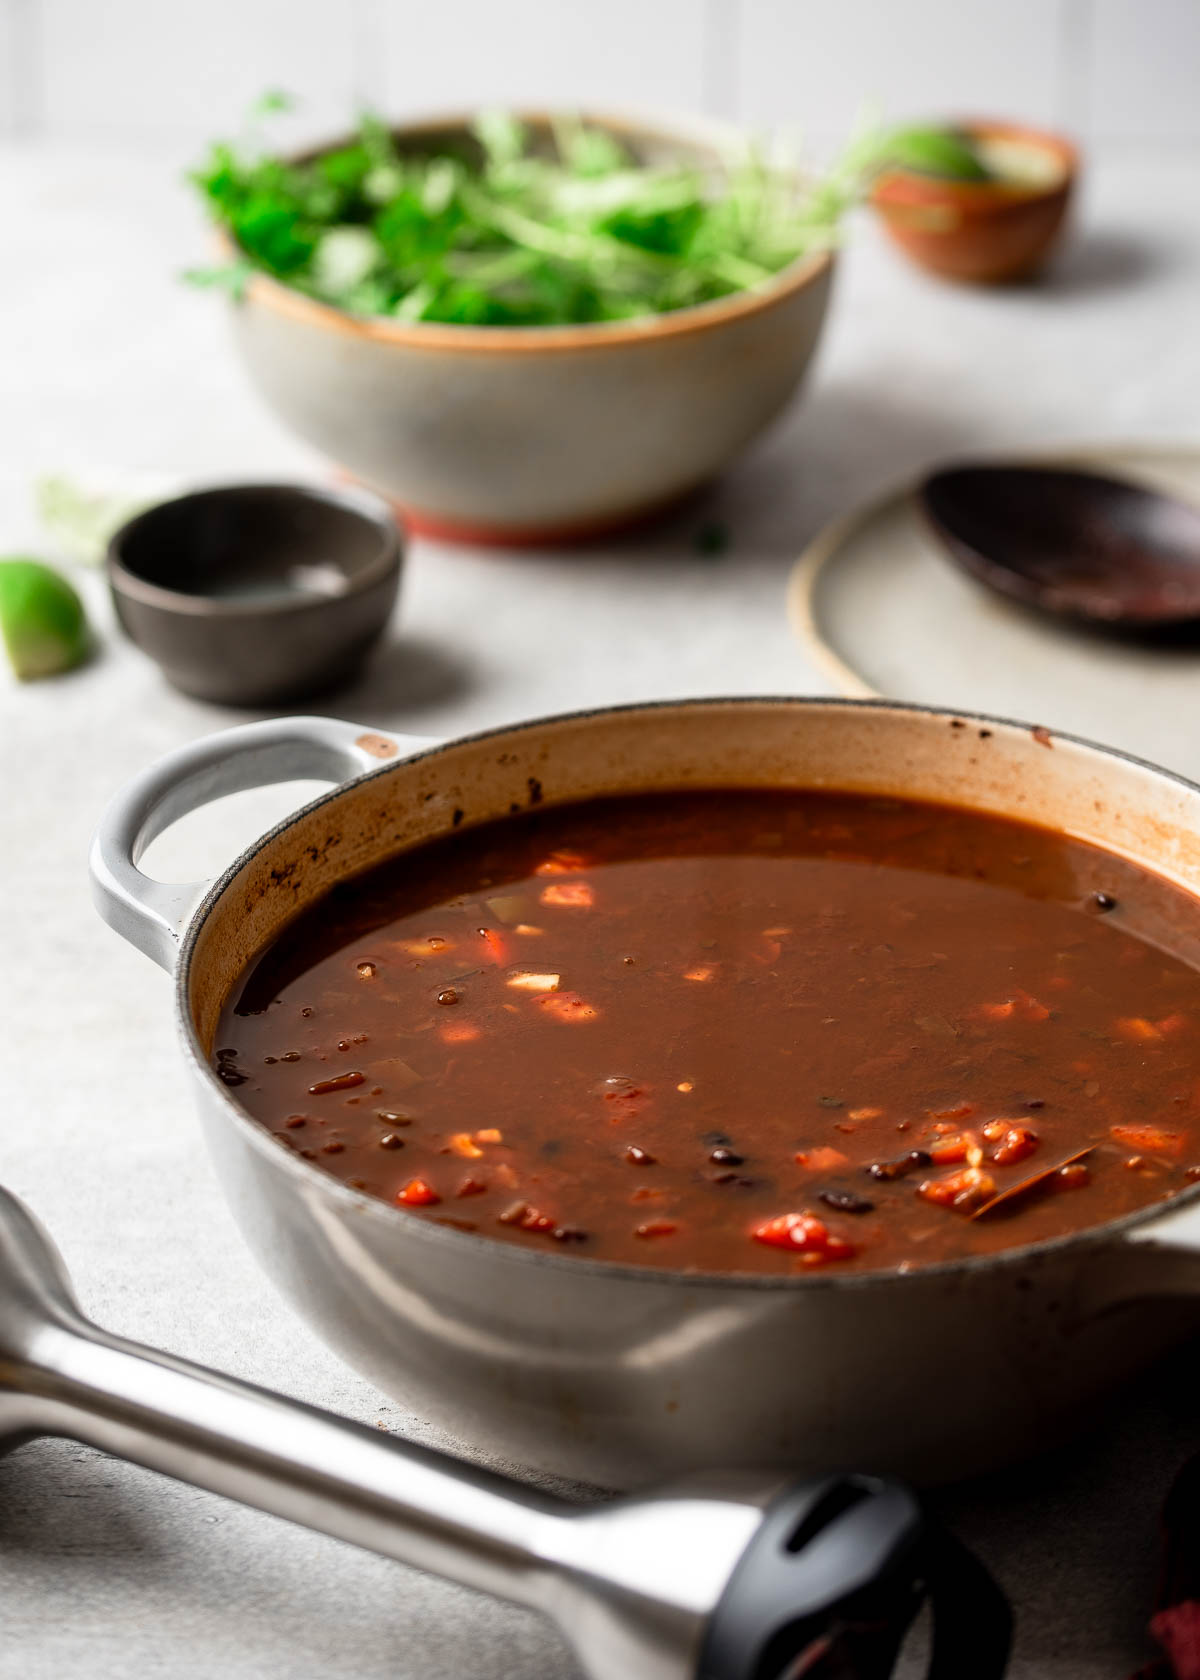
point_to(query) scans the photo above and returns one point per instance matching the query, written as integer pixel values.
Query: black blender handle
(832, 1581)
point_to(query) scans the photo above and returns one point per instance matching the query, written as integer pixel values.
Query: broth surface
(738, 1031)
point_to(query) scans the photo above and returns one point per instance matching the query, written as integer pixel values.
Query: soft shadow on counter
(405, 677)
(412, 674)
(118, 1560)
(835, 448)
(1104, 260)
(1074, 1536)
(61, 1500)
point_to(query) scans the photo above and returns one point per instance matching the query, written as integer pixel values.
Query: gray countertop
(107, 362)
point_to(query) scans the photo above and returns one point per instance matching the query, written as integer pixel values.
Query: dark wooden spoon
(1102, 551)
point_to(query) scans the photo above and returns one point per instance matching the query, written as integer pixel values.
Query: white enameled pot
(619, 1375)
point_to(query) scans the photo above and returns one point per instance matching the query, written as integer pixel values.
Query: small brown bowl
(257, 594)
(982, 230)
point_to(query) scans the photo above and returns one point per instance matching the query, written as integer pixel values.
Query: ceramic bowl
(257, 594)
(990, 230)
(517, 434)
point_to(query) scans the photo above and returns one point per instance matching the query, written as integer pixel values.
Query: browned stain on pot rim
(377, 745)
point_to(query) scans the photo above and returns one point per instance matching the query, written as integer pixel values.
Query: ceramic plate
(884, 611)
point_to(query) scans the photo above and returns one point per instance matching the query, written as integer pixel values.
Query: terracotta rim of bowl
(901, 188)
(595, 335)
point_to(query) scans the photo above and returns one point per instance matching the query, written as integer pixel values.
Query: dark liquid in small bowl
(258, 544)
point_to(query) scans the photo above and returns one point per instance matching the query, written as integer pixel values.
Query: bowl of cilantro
(524, 329)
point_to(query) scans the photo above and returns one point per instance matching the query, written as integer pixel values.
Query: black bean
(845, 1201)
(389, 1140)
(723, 1157)
(887, 1170)
(568, 1233)
(391, 1118)
(1101, 902)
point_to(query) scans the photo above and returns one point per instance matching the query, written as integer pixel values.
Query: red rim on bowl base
(445, 528)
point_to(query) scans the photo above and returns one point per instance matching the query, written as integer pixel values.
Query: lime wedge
(935, 151)
(42, 619)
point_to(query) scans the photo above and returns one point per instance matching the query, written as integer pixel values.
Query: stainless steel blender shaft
(631, 1582)
(733, 1581)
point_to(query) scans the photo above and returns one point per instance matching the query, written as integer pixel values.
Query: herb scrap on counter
(712, 539)
(506, 231)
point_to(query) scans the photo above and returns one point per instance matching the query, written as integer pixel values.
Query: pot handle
(153, 914)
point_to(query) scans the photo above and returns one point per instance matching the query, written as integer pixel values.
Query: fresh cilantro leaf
(521, 230)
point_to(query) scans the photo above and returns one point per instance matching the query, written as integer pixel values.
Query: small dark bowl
(257, 594)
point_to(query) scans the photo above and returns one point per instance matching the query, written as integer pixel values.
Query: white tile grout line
(25, 71)
(722, 47)
(370, 89)
(1076, 33)
(9, 68)
(22, 78)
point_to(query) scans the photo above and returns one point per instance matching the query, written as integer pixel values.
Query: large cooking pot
(617, 1374)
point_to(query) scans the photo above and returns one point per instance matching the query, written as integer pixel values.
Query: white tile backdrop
(175, 71)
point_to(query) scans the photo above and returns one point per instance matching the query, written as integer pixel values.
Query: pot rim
(306, 1173)
(591, 335)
